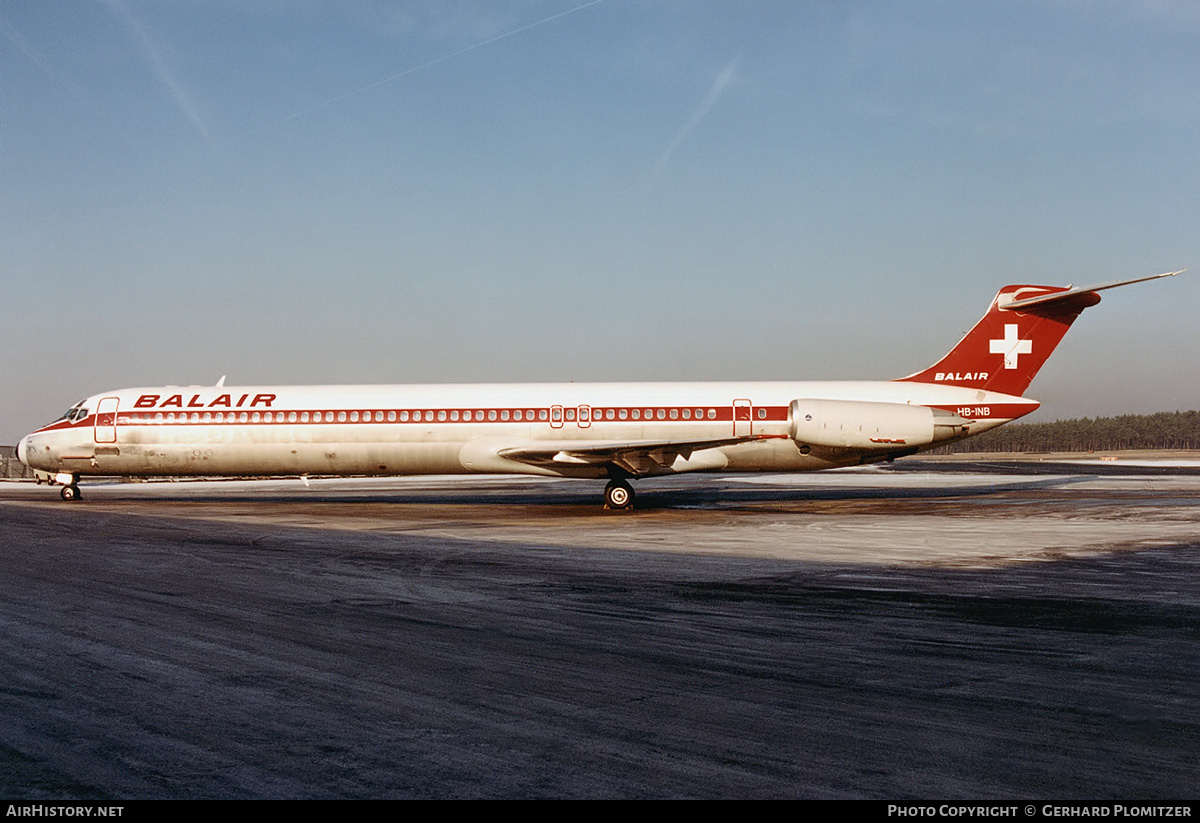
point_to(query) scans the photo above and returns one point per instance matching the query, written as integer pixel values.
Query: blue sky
(328, 192)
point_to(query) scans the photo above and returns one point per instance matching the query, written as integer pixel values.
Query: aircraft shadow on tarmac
(654, 494)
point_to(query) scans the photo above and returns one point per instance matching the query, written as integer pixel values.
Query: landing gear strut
(618, 495)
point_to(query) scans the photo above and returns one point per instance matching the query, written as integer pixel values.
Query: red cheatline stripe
(567, 415)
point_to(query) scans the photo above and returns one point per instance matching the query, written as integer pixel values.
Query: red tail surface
(1010, 343)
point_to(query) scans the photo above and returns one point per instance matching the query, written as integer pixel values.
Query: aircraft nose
(23, 450)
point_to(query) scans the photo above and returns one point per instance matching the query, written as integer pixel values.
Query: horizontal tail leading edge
(614, 431)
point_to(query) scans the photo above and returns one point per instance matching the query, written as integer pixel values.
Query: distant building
(10, 466)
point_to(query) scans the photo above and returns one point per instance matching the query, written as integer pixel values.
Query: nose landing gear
(70, 491)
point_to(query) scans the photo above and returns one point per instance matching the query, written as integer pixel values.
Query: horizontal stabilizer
(1072, 291)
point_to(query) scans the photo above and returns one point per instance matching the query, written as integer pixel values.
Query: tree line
(1162, 430)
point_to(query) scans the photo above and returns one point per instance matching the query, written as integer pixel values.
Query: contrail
(23, 45)
(394, 77)
(701, 111)
(151, 54)
(17, 39)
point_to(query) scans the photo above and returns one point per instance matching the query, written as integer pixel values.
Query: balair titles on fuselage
(225, 401)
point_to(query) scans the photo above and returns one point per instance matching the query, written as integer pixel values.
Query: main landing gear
(618, 494)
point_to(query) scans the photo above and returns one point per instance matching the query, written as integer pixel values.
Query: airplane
(613, 431)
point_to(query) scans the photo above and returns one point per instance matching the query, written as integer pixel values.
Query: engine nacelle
(857, 424)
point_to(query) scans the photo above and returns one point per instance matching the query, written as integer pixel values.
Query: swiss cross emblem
(1010, 346)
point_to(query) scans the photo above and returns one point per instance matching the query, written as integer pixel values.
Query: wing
(634, 457)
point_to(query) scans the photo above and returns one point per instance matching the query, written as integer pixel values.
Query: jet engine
(857, 424)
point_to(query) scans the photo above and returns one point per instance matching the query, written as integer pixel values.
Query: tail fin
(1007, 347)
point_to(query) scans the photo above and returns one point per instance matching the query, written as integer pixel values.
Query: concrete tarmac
(921, 633)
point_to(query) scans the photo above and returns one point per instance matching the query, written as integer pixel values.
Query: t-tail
(1008, 346)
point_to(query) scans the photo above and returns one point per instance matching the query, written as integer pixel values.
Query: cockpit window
(75, 413)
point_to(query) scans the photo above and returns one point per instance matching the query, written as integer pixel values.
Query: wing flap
(634, 457)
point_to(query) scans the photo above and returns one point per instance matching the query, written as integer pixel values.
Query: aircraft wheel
(618, 495)
(70, 493)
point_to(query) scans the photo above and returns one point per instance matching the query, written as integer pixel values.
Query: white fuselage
(440, 429)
